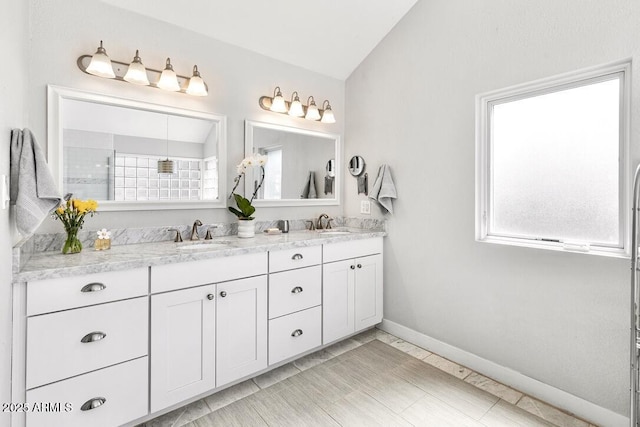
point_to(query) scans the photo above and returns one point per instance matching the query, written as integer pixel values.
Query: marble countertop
(49, 265)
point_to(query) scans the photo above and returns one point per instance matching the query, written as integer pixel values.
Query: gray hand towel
(384, 190)
(309, 191)
(328, 184)
(33, 190)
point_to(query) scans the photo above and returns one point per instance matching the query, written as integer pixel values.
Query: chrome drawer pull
(296, 290)
(93, 403)
(296, 333)
(93, 287)
(93, 337)
(296, 257)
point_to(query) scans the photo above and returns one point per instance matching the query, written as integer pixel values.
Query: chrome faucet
(319, 225)
(194, 229)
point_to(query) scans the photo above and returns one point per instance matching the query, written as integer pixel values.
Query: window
(551, 162)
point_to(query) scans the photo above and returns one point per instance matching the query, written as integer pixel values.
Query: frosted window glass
(555, 165)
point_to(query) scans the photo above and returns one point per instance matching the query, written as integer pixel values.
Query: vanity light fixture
(99, 64)
(295, 108)
(136, 73)
(327, 114)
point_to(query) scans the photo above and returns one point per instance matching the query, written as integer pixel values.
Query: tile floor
(371, 379)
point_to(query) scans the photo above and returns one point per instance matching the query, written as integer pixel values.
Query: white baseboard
(561, 399)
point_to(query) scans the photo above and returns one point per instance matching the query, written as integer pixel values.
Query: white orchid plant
(244, 208)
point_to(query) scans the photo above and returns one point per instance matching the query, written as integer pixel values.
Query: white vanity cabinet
(206, 329)
(295, 296)
(351, 288)
(86, 351)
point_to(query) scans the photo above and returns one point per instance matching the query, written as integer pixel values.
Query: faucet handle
(328, 227)
(208, 236)
(178, 237)
(312, 226)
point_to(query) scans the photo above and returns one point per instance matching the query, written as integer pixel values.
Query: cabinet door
(183, 325)
(368, 291)
(241, 328)
(338, 300)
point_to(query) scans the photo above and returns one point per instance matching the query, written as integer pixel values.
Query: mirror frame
(55, 96)
(248, 150)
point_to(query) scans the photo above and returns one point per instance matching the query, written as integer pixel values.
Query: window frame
(483, 176)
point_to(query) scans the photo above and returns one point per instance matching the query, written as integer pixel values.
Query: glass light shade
(295, 109)
(100, 64)
(278, 104)
(327, 114)
(137, 73)
(312, 111)
(168, 79)
(196, 84)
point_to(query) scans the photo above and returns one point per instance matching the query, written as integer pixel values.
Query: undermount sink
(332, 232)
(201, 245)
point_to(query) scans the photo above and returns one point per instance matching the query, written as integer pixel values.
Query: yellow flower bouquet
(72, 214)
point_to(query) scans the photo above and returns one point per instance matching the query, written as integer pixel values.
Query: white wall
(13, 90)
(62, 31)
(560, 318)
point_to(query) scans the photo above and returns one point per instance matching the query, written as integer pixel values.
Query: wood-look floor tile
(289, 407)
(359, 409)
(323, 384)
(549, 413)
(231, 394)
(448, 366)
(343, 346)
(237, 414)
(500, 390)
(192, 412)
(410, 349)
(272, 377)
(431, 411)
(465, 397)
(394, 392)
(166, 420)
(385, 337)
(504, 414)
(366, 336)
(313, 359)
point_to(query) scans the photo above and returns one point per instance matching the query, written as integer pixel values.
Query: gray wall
(560, 318)
(13, 90)
(62, 31)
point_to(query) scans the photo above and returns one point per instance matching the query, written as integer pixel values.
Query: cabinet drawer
(123, 388)
(289, 259)
(54, 341)
(294, 334)
(49, 295)
(351, 249)
(170, 277)
(295, 290)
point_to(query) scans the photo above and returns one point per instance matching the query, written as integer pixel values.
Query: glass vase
(72, 245)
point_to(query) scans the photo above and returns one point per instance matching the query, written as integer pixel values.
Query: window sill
(557, 246)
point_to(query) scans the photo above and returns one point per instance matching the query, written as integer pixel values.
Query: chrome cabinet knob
(359, 265)
(210, 297)
(353, 267)
(223, 294)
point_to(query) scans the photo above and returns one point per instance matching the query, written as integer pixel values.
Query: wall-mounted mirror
(107, 149)
(300, 168)
(356, 165)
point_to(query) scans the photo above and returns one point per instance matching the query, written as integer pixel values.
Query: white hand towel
(384, 190)
(32, 187)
